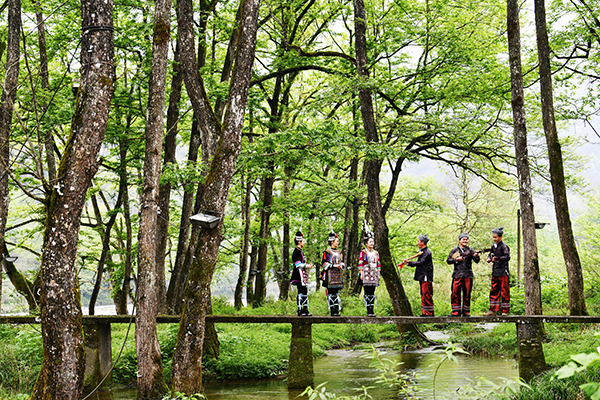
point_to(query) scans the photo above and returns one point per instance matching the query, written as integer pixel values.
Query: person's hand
(459, 258)
(337, 266)
(489, 260)
(405, 261)
(475, 254)
(309, 266)
(495, 259)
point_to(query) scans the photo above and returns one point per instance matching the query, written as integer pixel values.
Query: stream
(347, 370)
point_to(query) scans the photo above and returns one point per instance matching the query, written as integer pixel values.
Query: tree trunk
(7, 100)
(239, 287)
(187, 366)
(165, 188)
(150, 381)
(251, 275)
(123, 186)
(284, 288)
(104, 231)
(48, 140)
(557, 173)
(260, 288)
(531, 273)
(61, 376)
(372, 167)
(179, 274)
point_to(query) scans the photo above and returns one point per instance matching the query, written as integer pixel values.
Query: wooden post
(300, 368)
(98, 355)
(531, 354)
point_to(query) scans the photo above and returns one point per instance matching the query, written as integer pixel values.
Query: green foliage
(20, 359)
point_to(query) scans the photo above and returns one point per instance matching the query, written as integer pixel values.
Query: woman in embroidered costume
(333, 274)
(369, 268)
(300, 275)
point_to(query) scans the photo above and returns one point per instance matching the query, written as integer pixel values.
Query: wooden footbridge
(300, 370)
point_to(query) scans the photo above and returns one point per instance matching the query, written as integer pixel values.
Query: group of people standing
(461, 257)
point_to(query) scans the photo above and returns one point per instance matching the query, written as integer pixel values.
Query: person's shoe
(504, 313)
(453, 315)
(490, 314)
(306, 314)
(466, 315)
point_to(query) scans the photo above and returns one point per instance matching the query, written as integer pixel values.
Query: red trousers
(427, 298)
(461, 287)
(500, 288)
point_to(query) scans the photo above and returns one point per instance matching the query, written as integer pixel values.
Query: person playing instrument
(333, 274)
(499, 256)
(300, 274)
(462, 257)
(424, 275)
(369, 268)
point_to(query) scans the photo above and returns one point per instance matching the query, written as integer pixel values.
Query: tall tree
(150, 371)
(373, 168)
(557, 173)
(531, 272)
(9, 93)
(61, 376)
(187, 368)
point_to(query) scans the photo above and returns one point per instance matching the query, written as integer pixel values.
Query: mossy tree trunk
(187, 366)
(150, 381)
(61, 375)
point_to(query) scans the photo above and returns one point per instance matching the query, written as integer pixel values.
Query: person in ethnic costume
(300, 274)
(499, 256)
(369, 268)
(462, 257)
(424, 275)
(333, 274)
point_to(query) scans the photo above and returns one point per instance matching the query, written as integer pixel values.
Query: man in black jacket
(499, 256)
(462, 257)
(424, 275)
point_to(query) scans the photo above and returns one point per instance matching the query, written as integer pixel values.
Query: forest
(121, 120)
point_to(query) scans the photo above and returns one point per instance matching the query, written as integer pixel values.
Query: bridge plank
(322, 319)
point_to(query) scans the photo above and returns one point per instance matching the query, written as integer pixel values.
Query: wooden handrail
(322, 319)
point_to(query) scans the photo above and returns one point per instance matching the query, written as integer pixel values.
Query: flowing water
(345, 371)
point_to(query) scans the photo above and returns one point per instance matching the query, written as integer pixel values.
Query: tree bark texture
(7, 100)
(150, 381)
(61, 376)
(557, 172)
(187, 366)
(531, 272)
(373, 168)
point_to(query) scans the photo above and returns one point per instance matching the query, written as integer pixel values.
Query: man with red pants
(499, 256)
(424, 275)
(462, 257)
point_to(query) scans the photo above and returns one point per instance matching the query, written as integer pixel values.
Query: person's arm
(451, 259)
(325, 261)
